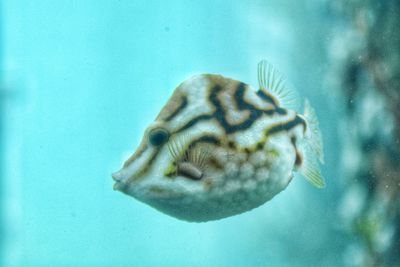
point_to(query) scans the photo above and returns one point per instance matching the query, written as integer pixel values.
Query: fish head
(174, 165)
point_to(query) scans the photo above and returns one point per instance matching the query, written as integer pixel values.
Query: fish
(219, 147)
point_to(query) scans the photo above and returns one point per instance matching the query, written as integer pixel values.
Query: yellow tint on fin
(272, 81)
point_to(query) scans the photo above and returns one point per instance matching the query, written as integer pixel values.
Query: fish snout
(120, 180)
(117, 176)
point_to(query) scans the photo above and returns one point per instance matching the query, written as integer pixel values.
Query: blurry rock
(365, 57)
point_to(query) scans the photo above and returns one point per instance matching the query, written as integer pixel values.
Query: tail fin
(313, 133)
(312, 148)
(310, 167)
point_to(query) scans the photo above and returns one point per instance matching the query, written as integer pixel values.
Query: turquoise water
(83, 79)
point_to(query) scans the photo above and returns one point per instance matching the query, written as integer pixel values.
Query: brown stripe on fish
(143, 146)
(211, 139)
(182, 106)
(267, 97)
(267, 133)
(146, 166)
(232, 113)
(286, 126)
(281, 111)
(299, 158)
(208, 116)
(271, 99)
(283, 126)
(243, 105)
(220, 114)
(193, 121)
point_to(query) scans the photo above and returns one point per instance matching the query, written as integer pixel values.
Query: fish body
(220, 148)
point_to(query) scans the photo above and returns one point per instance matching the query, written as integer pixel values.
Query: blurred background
(81, 80)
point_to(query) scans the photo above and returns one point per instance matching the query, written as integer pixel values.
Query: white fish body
(220, 148)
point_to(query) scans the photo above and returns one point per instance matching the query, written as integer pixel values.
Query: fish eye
(158, 136)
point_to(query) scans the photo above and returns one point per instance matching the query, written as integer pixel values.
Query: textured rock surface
(365, 56)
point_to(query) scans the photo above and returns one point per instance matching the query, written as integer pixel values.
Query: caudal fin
(313, 134)
(310, 167)
(312, 148)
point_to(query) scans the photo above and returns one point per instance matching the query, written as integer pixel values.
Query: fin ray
(310, 168)
(271, 80)
(313, 133)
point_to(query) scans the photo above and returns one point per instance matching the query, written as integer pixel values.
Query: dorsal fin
(313, 133)
(273, 82)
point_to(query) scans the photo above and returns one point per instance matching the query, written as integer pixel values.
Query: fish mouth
(120, 181)
(118, 186)
(124, 180)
